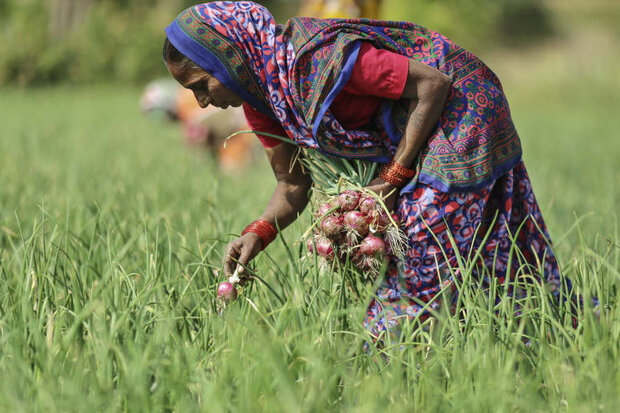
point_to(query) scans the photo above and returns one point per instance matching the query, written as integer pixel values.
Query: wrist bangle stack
(396, 174)
(264, 229)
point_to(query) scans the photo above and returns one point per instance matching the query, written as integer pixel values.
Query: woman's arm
(288, 200)
(427, 88)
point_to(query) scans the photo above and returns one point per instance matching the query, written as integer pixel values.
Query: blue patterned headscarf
(234, 41)
(293, 73)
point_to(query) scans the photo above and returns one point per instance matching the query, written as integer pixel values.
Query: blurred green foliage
(475, 24)
(85, 41)
(111, 39)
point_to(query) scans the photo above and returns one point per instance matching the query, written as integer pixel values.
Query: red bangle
(401, 170)
(396, 174)
(264, 229)
(393, 178)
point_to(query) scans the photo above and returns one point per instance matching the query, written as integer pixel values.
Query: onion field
(111, 236)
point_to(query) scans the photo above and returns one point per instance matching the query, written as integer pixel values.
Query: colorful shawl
(293, 73)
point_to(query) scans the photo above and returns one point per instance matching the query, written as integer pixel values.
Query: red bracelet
(264, 229)
(393, 178)
(396, 174)
(401, 170)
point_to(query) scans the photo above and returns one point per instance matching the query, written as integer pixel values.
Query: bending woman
(395, 93)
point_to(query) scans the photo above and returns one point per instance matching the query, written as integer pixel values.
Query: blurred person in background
(329, 9)
(206, 128)
(395, 93)
(159, 99)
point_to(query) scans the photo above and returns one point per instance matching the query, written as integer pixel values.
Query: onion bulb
(332, 226)
(356, 222)
(226, 291)
(372, 245)
(348, 200)
(324, 248)
(323, 209)
(367, 205)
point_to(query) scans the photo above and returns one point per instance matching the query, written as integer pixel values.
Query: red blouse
(377, 74)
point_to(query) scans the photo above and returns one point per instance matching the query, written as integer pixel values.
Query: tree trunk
(65, 15)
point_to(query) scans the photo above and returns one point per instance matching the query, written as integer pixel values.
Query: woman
(390, 92)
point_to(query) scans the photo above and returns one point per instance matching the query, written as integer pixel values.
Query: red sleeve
(378, 72)
(259, 122)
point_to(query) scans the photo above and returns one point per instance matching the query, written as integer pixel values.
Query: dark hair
(172, 55)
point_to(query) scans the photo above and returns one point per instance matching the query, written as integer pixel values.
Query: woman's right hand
(240, 252)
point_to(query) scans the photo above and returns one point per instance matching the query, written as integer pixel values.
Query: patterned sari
(469, 176)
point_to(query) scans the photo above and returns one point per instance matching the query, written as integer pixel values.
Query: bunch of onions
(356, 224)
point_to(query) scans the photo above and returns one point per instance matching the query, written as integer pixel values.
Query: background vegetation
(86, 41)
(111, 231)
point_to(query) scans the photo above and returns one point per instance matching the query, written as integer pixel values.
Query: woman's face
(207, 89)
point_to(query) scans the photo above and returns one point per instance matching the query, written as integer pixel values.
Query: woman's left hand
(387, 191)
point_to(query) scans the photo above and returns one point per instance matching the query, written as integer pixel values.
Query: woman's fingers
(386, 191)
(249, 250)
(240, 252)
(390, 202)
(232, 253)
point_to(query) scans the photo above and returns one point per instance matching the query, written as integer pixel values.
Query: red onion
(395, 217)
(332, 226)
(348, 200)
(310, 245)
(323, 209)
(372, 245)
(324, 248)
(380, 221)
(226, 291)
(356, 222)
(367, 205)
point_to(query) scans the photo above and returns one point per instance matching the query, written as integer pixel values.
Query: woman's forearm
(427, 88)
(291, 194)
(288, 201)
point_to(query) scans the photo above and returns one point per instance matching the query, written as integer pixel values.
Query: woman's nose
(202, 99)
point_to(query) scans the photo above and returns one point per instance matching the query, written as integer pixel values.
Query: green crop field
(111, 232)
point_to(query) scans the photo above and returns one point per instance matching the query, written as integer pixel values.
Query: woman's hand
(387, 191)
(240, 252)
